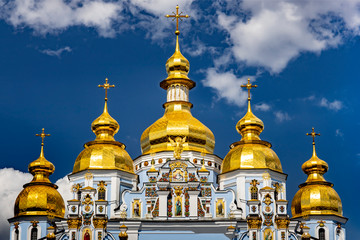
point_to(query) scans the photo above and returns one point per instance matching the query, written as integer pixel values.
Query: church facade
(178, 185)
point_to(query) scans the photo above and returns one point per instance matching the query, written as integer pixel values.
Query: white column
(240, 192)
(163, 204)
(193, 201)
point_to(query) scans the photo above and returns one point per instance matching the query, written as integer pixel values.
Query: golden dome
(316, 196)
(177, 121)
(40, 197)
(104, 152)
(250, 152)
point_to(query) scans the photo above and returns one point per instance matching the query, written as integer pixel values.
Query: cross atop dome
(106, 86)
(249, 86)
(177, 16)
(313, 134)
(42, 135)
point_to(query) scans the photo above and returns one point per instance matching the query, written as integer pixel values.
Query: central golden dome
(316, 196)
(177, 120)
(104, 152)
(251, 152)
(40, 197)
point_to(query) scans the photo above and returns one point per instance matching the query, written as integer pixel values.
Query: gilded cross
(177, 16)
(313, 134)
(106, 86)
(42, 135)
(249, 86)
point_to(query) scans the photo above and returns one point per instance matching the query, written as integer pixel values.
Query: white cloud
(227, 86)
(335, 105)
(65, 190)
(56, 53)
(262, 107)
(282, 116)
(278, 31)
(12, 182)
(52, 16)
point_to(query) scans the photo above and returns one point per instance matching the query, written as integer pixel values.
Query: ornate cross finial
(177, 16)
(249, 86)
(106, 86)
(42, 135)
(313, 134)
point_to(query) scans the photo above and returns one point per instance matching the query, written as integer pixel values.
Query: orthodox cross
(42, 135)
(313, 134)
(177, 16)
(106, 86)
(249, 86)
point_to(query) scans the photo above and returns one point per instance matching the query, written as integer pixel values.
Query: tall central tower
(177, 120)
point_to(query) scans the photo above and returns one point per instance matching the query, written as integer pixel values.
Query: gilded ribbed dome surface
(39, 200)
(316, 200)
(177, 121)
(250, 152)
(251, 155)
(316, 196)
(104, 152)
(110, 155)
(40, 197)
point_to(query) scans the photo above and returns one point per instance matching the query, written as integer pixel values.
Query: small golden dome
(177, 121)
(105, 127)
(40, 197)
(104, 152)
(316, 196)
(250, 152)
(177, 66)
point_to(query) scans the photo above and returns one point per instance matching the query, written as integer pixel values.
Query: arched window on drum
(254, 191)
(102, 190)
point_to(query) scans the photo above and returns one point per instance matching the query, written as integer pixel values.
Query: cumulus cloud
(12, 184)
(227, 86)
(262, 107)
(282, 116)
(56, 53)
(269, 34)
(52, 16)
(335, 105)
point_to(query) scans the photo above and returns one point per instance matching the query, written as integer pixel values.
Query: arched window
(321, 234)
(254, 193)
(101, 195)
(101, 190)
(34, 233)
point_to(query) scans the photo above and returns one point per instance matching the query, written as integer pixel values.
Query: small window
(34, 233)
(79, 195)
(254, 193)
(101, 195)
(321, 234)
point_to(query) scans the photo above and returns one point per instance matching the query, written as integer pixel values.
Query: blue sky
(304, 59)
